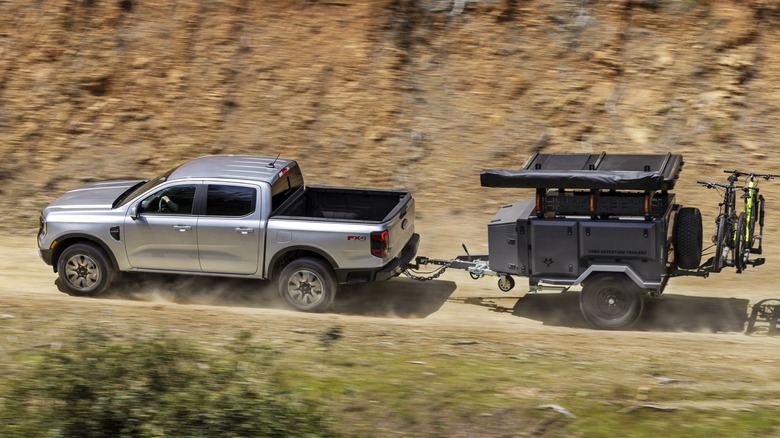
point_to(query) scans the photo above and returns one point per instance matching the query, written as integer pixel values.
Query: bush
(154, 387)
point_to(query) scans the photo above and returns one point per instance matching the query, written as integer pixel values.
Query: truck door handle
(182, 228)
(245, 230)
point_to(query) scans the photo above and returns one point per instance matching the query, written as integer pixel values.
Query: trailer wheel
(308, 284)
(688, 238)
(506, 283)
(611, 301)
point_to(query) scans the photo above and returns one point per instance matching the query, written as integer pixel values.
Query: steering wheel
(162, 206)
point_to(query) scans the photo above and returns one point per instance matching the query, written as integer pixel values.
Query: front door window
(170, 200)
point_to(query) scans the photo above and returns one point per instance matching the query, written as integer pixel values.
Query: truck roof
(249, 167)
(603, 171)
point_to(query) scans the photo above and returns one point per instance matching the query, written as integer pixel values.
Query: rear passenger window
(225, 200)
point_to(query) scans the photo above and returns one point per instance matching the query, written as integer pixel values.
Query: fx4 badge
(358, 238)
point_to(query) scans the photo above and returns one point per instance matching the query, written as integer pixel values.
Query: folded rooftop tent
(647, 172)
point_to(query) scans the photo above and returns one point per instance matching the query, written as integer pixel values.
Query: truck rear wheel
(84, 270)
(611, 301)
(308, 285)
(688, 238)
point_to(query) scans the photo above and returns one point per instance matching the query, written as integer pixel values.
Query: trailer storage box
(508, 238)
(554, 245)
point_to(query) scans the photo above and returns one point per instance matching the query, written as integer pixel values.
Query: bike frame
(754, 206)
(751, 191)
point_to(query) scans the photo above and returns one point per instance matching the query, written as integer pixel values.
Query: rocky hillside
(420, 94)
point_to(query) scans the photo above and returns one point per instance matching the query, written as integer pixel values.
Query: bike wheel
(721, 239)
(751, 228)
(741, 244)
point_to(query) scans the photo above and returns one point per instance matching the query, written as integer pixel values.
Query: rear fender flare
(273, 267)
(630, 273)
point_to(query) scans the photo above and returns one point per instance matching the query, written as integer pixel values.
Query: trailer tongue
(605, 223)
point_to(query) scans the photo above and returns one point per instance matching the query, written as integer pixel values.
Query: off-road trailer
(605, 223)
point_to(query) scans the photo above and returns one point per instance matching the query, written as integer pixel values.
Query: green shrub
(154, 387)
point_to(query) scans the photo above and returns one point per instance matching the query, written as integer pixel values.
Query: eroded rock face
(391, 93)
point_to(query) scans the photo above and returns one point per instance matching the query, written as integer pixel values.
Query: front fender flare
(66, 240)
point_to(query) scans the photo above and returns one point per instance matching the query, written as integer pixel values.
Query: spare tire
(688, 238)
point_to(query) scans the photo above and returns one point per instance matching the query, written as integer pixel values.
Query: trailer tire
(611, 302)
(308, 284)
(688, 238)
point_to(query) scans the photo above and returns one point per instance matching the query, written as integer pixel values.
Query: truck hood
(93, 196)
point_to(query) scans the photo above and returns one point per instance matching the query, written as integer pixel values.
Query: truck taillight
(379, 244)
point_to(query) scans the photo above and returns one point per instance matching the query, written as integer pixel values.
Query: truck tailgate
(400, 226)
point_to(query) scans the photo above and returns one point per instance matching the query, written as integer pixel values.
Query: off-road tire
(688, 238)
(84, 270)
(611, 302)
(308, 284)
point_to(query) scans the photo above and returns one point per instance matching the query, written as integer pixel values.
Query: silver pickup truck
(230, 215)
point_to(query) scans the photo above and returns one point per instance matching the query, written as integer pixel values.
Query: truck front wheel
(611, 302)
(308, 284)
(84, 270)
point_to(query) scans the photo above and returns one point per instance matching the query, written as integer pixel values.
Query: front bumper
(47, 255)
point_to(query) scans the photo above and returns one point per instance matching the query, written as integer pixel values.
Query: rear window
(285, 186)
(226, 200)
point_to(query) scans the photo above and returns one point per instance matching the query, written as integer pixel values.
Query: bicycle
(725, 225)
(753, 212)
(735, 234)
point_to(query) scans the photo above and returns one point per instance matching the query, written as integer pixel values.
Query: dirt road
(695, 333)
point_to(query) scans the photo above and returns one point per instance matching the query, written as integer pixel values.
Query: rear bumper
(390, 270)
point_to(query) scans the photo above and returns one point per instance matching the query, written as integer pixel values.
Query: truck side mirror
(134, 212)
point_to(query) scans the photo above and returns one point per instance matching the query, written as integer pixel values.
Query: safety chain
(436, 274)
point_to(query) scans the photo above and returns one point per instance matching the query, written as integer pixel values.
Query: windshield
(141, 187)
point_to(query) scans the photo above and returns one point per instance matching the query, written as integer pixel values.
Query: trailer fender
(594, 269)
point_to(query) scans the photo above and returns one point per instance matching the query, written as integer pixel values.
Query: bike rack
(765, 311)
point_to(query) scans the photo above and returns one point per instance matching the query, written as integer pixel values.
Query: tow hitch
(476, 265)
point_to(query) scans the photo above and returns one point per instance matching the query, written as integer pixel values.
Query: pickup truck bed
(346, 204)
(346, 224)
